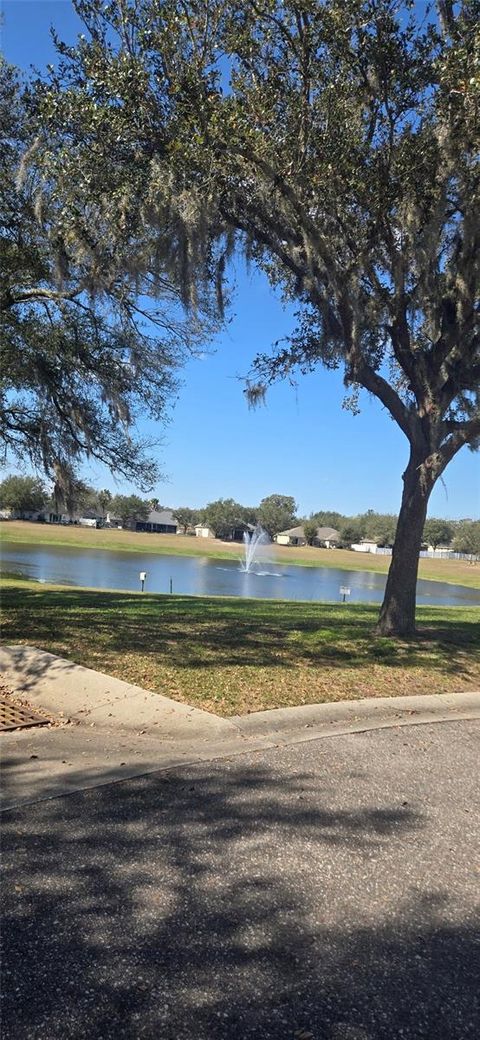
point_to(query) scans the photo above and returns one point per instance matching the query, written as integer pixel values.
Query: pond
(203, 576)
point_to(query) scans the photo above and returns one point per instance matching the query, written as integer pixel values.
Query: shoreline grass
(453, 572)
(232, 656)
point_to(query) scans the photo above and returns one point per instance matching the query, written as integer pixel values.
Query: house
(236, 532)
(158, 522)
(202, 531)
(294, 536)
(231, 532)
(89, 520)
(327, 536)
(43, 516)
(110, 520)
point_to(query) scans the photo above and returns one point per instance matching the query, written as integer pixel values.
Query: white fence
(448, 554)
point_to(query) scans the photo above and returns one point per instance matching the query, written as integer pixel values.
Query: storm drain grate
(15, 716)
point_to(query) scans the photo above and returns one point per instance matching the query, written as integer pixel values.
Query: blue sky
(302, 443)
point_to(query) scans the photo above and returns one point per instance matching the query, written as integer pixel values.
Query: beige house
(328, 537)
(295, 536)
(325, 536)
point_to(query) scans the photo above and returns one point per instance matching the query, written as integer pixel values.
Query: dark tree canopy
(310, 529)
(129, 508)
(467, 538)
(186, 517)
(380, 527)
(276, 513)
(438, 532)
(82, 356)
(335, 142)
(327, 518)
(22, 494)
(352, 531)
(223, 516)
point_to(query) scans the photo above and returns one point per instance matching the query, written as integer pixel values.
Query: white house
(202, 531)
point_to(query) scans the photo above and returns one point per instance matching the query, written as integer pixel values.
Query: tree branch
(377, 385)
(446, 16)
(465, 433)
(40, 294)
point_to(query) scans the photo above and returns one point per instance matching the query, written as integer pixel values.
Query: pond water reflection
(203, 576)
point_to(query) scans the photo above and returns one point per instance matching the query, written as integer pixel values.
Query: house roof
(161, 516)
(323, 533)
(327, 533)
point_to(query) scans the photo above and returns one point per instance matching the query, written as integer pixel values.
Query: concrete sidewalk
(107, 730)
(104, 730)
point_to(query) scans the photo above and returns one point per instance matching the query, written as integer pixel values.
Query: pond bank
(456, 572)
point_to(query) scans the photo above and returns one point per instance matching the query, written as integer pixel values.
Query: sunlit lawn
(234, 656)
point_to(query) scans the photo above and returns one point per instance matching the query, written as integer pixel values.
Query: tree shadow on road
(225, 902)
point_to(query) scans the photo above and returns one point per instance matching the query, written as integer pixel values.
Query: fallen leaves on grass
(232, 657)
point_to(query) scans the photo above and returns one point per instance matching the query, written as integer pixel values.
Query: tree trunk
(397, 615)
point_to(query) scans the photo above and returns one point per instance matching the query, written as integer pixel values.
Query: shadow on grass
(212, 904)
(188, 632)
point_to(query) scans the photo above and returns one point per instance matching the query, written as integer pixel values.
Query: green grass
(457, 572)
(233, 656)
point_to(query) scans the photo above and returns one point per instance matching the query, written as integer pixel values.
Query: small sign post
(344, 592)
(143, 575)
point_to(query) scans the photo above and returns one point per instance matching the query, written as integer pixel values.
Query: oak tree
(129, 508)
(467, 538)
(438, 532)
(336, 143)
(22, 494)
(186, 517)
(276, 513)
(224, 516)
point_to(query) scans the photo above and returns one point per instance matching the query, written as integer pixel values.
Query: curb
(311, 721)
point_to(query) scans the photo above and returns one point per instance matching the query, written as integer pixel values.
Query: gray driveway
(326, 890)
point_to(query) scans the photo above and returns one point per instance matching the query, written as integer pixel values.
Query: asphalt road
(325, 891)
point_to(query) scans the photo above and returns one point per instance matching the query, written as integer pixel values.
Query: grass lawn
(457, 572)
(232, 656)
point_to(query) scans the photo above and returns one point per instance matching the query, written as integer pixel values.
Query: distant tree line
(275, 513)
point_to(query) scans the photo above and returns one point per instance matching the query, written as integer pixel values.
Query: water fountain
(254, 542)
